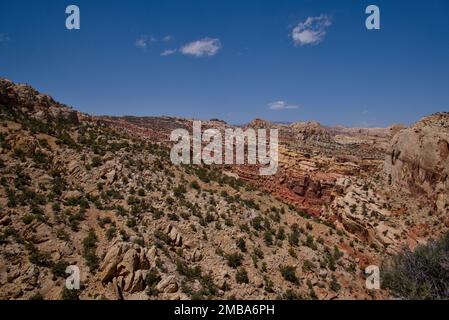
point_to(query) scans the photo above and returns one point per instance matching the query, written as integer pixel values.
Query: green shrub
(111, 232)
(141, 192)
(291, 295)
(258, 253)
(152, 280)
(131, 223)
(308, 266)
(280, 234)
(241, 244)
(40, 158)
(334, 285)
(69, 294)
(37, 297)
(209, 288)
(42, 259)
(310, 242)
(90, 246)
(96, 162)
(268, 237)
(75, 219)
(185, 270)
(179, 191)
(289, 274)
(194, 185)
(422, 274)
(257, 223)
(158, 234)
(234, 260)
(120, 210)
(241, 276)
(58, 269)
(293, 238)
(28, 219)
(56, 207)
(62, 235)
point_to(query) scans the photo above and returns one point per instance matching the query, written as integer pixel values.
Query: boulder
(138, 283)
(196, 255)
(168, 285)
(129, 263)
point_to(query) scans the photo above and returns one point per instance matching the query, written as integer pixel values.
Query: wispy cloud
(206, 47)
(144, 41)
(167, 38)
(4, 37)
(168, 52)
(282, 105)
(312, 31)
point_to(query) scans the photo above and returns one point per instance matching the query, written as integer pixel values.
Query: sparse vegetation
(289, 274)
(242, 276)
(234, 260)
(420, 274)
(89, 250)
(97, 182)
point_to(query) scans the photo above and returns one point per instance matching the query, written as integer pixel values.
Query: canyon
(101, 193)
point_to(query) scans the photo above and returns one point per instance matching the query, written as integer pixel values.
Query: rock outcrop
(418, 160)
(125, 267)
(311, 130)
(25, 99)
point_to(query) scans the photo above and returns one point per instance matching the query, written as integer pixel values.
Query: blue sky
(234, 59)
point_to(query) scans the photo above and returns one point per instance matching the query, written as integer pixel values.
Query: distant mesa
(311, 130)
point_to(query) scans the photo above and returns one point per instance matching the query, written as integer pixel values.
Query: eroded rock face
(418, 159)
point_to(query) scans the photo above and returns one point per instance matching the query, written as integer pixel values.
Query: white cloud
(312, 31)
(201, 48)
(167, 38)
(282, 105)
(168, 52)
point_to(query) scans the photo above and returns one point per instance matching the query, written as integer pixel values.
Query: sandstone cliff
(418, 160)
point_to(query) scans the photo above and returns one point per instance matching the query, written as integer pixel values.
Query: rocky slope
(81, 190)
(101, 193)
(406, 201)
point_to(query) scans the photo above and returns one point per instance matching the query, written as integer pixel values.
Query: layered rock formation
(101, 193)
